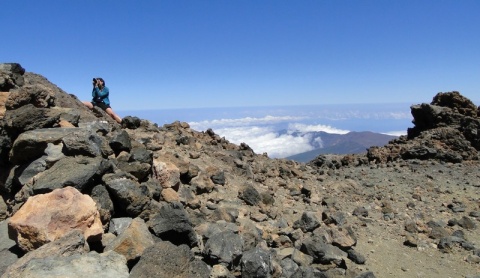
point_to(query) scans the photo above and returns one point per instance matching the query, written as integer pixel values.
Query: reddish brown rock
(169, 195)
(47, 217)
(166, 173)
(133, 241)
(3, 99)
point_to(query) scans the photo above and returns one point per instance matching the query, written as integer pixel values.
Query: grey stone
(224, 248)
(102, 127)
(131, 122)
(256, 263)
(301, 258)
(227, 213)
(208, 229)
(338, 218)
(172, 224)
(8, 258)
(466, 223)
(141, 155)
(289, 267)
(250, 195)
(118, 225)
(447, 243)
(71, 244)
(458, 233)
(5, 241)
(93, 264)
(438, 232)
(78, 172)
(154, 188)
(83, 142)
(135, 168)
(127, 195)
(218, 178)
(104, 203)
(367, 274)
(31, 144)
(308, 222)
(54, 153)
(165, 260)
(26, 172)
(356, 257)
(121, 142)
(308, 272)
(29, 117)
(322, 252)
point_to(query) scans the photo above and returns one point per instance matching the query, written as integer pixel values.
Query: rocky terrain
(83, 196)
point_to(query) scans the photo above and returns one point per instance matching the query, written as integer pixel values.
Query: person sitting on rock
(100, 98)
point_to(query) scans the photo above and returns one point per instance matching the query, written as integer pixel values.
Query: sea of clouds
(285, 131)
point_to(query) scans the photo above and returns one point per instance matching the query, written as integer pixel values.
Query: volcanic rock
(132, 241)
(47, 217)
(165, 259)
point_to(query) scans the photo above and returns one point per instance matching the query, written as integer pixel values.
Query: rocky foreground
(86, 197)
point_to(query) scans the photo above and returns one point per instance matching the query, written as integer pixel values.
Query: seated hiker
(100, 98)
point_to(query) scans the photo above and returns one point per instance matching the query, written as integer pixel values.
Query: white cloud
(203, 125)
(263, 134)
(315, 128)
(264, 139)
(396, 133)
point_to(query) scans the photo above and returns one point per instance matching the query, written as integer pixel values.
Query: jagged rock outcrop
(173, 201)
(447, 129)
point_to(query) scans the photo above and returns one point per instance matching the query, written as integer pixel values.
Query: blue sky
(192, 54)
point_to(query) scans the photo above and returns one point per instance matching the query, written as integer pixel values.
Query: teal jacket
(100, 95)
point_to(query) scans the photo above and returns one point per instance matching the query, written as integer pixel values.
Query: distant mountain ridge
(349, 143)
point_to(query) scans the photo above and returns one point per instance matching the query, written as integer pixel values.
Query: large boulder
(224, 248)
(106, 265)
(70, 244)
(256, 263)
(47, 217)
(85, 142)
(172, 224)
(29, 117)
(37, 95)
(31, 145)
(128, 196)
(11, 76)
(121, 142)
(165, 260)
(79, 172)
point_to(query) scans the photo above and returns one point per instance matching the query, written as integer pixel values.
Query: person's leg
(88, 104)
(113, 115)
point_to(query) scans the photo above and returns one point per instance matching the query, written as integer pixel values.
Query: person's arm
(100, 93)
